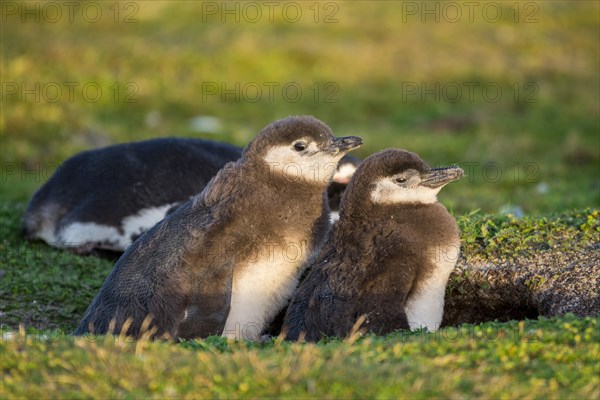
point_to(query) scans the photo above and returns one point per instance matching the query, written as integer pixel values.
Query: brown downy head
(395, 177)
(299, 148)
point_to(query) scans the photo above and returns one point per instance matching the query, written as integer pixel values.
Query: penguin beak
(438, 177)
(344, 144)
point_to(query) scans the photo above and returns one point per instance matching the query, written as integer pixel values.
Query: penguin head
(345, 169)
(300, 148)
(395, 176)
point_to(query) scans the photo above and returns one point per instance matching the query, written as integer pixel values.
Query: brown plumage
(191, 272)
(388, 257)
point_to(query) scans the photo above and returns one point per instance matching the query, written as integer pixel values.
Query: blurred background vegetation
(508, 90)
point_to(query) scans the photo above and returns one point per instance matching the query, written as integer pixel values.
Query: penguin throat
(387, 192)
(317, 169)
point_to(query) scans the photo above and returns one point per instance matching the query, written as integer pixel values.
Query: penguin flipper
(209, 309)
(383, 298)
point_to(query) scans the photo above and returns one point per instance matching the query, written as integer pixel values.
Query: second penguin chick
(389, 256)
(345, 169)
(228, 260)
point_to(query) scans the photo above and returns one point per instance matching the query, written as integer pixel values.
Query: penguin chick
(99, 201)
(389, 256)
(227, 261)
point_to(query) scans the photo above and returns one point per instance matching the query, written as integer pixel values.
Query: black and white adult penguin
(228, 260)
(389, 256)
(104, 199)
(99, 201)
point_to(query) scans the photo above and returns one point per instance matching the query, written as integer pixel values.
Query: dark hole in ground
(471, 302)
(474, 312)
(477, 312)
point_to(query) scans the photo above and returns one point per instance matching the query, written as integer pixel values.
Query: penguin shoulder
(221, 186)
(438, 224)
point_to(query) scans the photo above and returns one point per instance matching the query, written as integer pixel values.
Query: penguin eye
(400, 180)
(299, 146)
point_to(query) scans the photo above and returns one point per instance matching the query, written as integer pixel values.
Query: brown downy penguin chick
(389, 256)
(228, 260)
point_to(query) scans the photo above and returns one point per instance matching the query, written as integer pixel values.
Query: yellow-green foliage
(548, 358)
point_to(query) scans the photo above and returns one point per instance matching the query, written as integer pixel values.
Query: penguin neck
(261, 172)
(364, 219)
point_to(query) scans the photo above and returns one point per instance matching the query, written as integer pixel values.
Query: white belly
(262, 287)
(82, 233)
(425, 307)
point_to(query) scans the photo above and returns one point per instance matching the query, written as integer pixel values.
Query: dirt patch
(546, 283)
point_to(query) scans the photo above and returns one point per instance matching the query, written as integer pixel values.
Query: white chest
(262, 287)
(425, 307)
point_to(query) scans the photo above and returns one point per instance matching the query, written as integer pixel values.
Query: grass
(546, 358)
(505, 236)
(376, 72)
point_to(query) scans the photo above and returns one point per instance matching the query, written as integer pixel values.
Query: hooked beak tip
(441, 176)
(345, 144)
